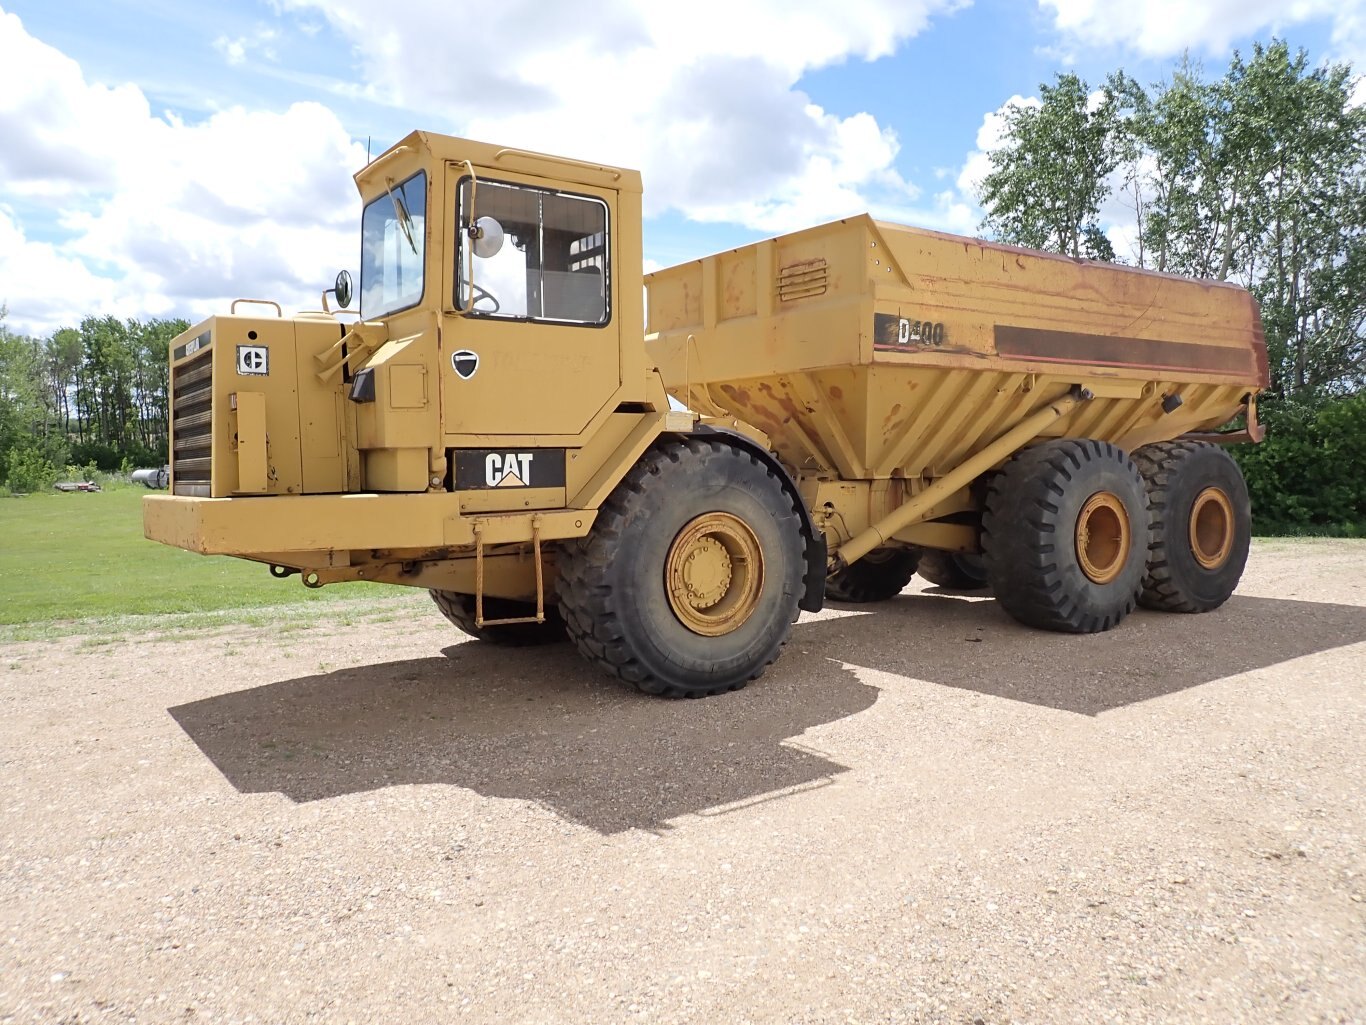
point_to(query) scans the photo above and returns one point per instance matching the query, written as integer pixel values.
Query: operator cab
(521, 272)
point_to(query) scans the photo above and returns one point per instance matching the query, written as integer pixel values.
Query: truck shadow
(535, 724)
(541, 725)
(970, 643)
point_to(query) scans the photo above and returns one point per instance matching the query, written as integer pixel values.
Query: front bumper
(250, 527)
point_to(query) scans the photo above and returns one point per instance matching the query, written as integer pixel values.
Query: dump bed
(867, 350)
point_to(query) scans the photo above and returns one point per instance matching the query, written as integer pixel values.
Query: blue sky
(163, 157)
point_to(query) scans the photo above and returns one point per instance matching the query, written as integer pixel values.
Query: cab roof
(423, 149)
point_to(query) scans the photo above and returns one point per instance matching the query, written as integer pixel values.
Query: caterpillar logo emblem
(507, 470)
(482, 469)
(253, 360)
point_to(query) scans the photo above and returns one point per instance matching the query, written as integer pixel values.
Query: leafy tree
(21, 410)
(97, 394)
(1047, 184)
(62, 360)
(1184, 203)
(152, 379)
(27, 469)
(1309, 475)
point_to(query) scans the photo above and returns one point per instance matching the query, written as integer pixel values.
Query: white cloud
(236, 50)
(41, 282)
(60, 131)
(161, 217)
(1349, 41)
(1164, 28)
(990, 137)
(701, 97)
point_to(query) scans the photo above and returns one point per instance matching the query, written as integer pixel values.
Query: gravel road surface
(924, 813)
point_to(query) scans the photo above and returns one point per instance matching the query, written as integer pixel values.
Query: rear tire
(1201, 525)
(689, 581)
(1065, 536)
(459, 609)
(953, 571)
(881, 574)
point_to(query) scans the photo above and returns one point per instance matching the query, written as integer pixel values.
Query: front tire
(1202, 525)
(689, 581)
(1065, 536)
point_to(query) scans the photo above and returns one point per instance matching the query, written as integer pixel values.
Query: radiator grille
(192, 424)
(800, 280)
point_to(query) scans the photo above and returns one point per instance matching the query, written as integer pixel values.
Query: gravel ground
(924, 813)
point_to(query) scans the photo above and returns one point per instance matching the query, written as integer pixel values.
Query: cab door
(530, 340)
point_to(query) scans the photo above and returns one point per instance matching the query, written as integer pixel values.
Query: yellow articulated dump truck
(849, 403)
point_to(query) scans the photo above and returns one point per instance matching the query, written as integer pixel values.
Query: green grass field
(80, 557)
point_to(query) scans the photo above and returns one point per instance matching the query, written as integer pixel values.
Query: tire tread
(1160, 465)
(589, 604)
(1026, 577)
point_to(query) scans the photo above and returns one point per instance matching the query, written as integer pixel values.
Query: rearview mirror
(488, 237)
(342, 289)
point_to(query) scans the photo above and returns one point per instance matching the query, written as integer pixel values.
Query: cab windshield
(393, 244)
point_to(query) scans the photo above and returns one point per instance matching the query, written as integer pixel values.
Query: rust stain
(836, 392)
(765, 419)
(760, 415)
(793, 411)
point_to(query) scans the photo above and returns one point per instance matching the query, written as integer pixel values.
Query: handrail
(260, 302)
(384, 158)
(467, 244)
(613, 172)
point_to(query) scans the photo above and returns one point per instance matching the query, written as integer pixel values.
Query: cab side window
(551, 263)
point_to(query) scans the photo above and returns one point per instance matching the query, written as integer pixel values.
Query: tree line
(1256, 176)
(92, 397)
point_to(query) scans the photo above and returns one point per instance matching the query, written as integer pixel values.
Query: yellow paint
(775, 341)
(248, 424)
(807, 374)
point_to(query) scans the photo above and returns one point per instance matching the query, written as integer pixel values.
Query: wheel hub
(1211, 527)
(1103, 537)
(714, 573)
(706, 572)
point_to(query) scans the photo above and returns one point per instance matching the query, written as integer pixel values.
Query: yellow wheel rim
(1103, 537)
(714, 574)
(1211, 528)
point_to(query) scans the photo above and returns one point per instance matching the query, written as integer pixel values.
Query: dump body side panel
(869, 351)
(977, 298)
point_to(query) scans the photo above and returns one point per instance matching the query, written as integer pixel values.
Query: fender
(813, 539)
